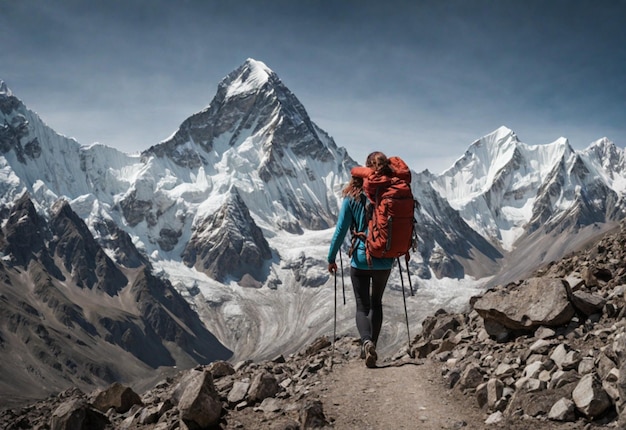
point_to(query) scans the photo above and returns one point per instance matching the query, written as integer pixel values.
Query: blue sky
(419, 79)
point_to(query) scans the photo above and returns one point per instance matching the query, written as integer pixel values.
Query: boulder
(589, 396)
(312, 415)
(471, 377)
(435, 327)
(116, 396)
(563, 410)
(534, 303)
(199, 404)
(221, 368)
(76, 414)
(238, 393)
(495, 389)
(587, 303)
(263, 385)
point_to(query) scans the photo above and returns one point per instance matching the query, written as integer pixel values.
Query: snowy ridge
(496, 184)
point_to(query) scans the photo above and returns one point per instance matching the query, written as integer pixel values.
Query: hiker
(368, 281)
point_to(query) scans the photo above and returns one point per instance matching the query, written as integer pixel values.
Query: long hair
(380, 163)
(354, 188)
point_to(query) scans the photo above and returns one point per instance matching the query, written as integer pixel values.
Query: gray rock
(533, 369)
(587, 303)
(471, 376)
(541, 346)
(544, 333)
(76, 414)
(199, 404)
(534, 303)
(563, 410)
(116, 396)
(559, 355)
(495, 389)
(263, 385)
(589, 396)
(271, 404)
(495, 418)
(238, 393)
(312, 415)
(586, 365)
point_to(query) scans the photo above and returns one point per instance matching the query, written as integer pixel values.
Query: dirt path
(410, 396)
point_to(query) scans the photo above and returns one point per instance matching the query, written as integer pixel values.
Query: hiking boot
(370, 354)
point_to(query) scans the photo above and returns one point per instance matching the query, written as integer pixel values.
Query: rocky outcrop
(24, 232)
(14, 134)
(81, 255)
(120, 244)
(169, 319)
(533, 303)
(552, 347)
(136, 210)
(229, 243)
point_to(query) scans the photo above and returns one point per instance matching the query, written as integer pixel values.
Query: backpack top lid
(400, 170)
(375, 183)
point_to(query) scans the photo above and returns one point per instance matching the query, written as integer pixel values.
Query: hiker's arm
(343, 225)
(361, 172)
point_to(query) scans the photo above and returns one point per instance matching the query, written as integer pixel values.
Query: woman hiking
(368, 281)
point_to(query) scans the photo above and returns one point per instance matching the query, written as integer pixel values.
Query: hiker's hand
(332, 267)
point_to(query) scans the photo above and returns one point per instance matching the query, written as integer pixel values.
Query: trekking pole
(408, 274)
(332, 355)
(406, 314)
(343, 286)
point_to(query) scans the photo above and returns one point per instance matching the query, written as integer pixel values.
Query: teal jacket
(353, 213)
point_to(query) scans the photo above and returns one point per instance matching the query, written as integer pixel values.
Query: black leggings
(369, 306)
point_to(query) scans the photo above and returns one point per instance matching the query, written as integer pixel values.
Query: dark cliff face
(24, 232)
(120, 244)
(14, 134)
(81, 255)
(169, 318)
(229, 243)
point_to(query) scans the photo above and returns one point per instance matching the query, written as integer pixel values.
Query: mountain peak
(503, 132)
(249, 77)
(603, 143)
(4, 90)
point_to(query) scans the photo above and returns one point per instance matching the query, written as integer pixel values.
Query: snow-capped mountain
(504, 188)
(236, 210)
(534, 203)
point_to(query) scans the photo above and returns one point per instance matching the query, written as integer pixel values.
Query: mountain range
(212, 243)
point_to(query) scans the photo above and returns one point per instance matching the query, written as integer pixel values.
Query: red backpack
(391, 226)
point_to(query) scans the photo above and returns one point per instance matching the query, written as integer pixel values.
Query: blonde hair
(354, 188)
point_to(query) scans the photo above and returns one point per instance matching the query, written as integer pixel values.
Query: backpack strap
(355, 233)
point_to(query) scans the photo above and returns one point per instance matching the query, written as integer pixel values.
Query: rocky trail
(402, 395)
